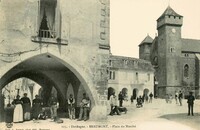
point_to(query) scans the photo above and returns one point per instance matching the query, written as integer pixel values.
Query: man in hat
(190, 101)
(53, 103)
(84, 108)
(71, 106)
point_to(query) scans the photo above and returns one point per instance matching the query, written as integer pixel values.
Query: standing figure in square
(71, 106)
(180, 96)
(190, 102)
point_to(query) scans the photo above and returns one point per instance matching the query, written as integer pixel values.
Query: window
(110, 63)
(172, 49)
(46, 19)
(125, 62)
(112, 75)
(186, 55)
(136, 76)
(186, 71)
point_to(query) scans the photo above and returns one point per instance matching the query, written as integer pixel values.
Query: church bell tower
(169, 52)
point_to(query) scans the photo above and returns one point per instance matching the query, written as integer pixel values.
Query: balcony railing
(47, 33)
(48, 36)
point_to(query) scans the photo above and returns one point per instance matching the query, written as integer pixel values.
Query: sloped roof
(190, 45)
(198, 56)
(132, 63)
(147, 39)
(170, 12)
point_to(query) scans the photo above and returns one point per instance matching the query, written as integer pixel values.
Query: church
(176, 60)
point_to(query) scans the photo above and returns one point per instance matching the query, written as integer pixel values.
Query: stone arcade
(57, 43)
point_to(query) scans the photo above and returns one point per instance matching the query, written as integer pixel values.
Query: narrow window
(186, 71)
(186, 55)
(112, 75)
(110, 63)
(136, 76)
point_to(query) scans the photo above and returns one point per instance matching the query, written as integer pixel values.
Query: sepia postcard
(99, 64)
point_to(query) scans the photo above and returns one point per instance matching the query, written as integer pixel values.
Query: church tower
(169, 51)
(145, 47)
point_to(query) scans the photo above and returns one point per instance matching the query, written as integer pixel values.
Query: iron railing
(47, 33)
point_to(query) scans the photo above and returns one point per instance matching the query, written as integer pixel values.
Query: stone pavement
(156, 116)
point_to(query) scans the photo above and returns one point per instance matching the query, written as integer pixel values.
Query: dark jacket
(190, 99)
(180, 95)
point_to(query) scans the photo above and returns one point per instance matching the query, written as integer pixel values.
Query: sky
(132, 20)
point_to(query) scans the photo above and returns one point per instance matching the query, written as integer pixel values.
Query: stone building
(175, 59)
(61, 44)
(134, 77)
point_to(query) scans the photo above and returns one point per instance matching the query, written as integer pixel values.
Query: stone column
(2, 112)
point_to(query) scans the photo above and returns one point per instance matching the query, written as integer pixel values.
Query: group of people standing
(24, 112)
(190, 101)
(116, 103)
(179, 98)
(85, 105)
(22, 108)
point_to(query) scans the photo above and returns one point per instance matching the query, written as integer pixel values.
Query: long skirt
(37, 109)
(18, 113)
(9, 114)
(26, 109)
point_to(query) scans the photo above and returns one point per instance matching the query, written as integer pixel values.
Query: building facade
(175, 59)
(61, 44)
(134, 77)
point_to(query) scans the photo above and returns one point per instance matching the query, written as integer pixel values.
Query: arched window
(186, 71)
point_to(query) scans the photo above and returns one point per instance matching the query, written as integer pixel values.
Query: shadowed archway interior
(48, 71)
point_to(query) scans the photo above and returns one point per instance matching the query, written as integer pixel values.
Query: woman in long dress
(18, 111)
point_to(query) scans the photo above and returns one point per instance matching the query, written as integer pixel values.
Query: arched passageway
(125, 93)
(49, 72)
(110, 92)
(146, 92)
(135, 93)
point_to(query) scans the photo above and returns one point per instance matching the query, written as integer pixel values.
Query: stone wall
(83, 45)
